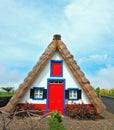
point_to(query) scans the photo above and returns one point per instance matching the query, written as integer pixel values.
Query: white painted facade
(41, 81)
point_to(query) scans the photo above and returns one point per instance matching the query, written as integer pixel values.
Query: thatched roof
(56, 45)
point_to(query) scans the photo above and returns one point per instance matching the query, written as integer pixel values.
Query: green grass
(5, 94)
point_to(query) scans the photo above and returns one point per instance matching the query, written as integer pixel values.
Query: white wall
(41, 81)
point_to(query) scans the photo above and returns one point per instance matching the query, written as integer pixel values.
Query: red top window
(56, 68)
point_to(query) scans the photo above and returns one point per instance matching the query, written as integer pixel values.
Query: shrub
(56, 116)
(4, 101)
(81, 112)
(23, 108)
(55, 121)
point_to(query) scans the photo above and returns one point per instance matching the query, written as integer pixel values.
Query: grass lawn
(5, 94)
(5, 97)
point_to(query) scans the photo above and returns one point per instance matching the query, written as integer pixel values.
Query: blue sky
(28, 26)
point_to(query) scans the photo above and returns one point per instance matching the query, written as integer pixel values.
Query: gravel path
(103, 124)
(27, 124)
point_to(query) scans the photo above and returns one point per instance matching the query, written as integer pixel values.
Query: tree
(98, 91)
(7, 89)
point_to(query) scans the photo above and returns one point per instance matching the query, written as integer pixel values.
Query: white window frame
(38, 93)
(73, 94)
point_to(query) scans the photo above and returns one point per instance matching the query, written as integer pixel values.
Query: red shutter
(56, 69)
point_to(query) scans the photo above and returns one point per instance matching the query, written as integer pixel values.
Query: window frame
(56, 61)
(38, 98)
(38, 93)
(73, 94)
(79, 93)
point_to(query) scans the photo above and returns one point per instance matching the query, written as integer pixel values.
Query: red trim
(41, 107)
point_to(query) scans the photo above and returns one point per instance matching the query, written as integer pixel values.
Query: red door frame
(61, 82)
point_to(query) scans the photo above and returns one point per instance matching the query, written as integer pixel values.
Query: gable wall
(41, 81)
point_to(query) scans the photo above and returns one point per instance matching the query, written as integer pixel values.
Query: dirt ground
(107, 123)
(103, 124)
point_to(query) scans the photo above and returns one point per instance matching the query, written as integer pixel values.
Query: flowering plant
(81, 111)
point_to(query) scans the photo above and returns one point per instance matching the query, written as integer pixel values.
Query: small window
(38, 93)
(56, 68)
(72, 94)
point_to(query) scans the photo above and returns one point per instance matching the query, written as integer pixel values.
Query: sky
(28, 26)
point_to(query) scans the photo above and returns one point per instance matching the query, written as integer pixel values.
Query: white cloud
(96, 58)
(9, 77)
(93, 63)
(99, 70)
(104, 78)
(17, 13)
(90, 23)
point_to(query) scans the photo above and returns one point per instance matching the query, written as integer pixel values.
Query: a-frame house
(54, 82)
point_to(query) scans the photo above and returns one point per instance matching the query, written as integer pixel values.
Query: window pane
(75, 91)
(72, 94)
(38, 93)
(36, 90)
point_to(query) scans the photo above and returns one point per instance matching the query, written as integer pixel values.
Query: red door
(56, 96)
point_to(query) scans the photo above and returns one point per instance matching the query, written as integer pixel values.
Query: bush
(55, 121)
(56, 116)
(22, 109)
(81, 112)
(4, 101)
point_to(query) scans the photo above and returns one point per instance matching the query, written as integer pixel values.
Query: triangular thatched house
(55, 80)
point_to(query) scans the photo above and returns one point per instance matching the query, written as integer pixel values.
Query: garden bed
(70, 124)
